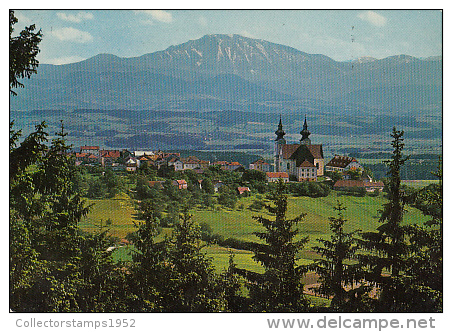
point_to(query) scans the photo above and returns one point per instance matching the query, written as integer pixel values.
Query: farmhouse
(303, 161)
(242, 190)
(91, 150)
(132, 164)
(343, 164)
(180, 184)
(276, 176)
(260, 165)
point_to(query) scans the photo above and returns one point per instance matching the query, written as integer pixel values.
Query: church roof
(288, 150)
(306, 163)
(314, 150)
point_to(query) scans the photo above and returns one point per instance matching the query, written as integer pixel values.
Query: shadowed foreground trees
(279, 288)
(340, 277)
(55, 267)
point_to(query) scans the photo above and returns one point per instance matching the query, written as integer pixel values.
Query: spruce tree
(148, 270)
(279, 288)
(192, 285)
(335, 269)
(387, 249)
(425, 265)
(232, 284)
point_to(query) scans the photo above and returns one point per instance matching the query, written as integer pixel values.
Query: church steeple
(305, 133)
(280, 133)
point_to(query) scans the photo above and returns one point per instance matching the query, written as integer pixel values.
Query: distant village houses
(260, 165)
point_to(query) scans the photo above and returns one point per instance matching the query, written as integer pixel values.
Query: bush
(354, 191)
(257, 205)
(208, 235)
(311, 189)
(236, 244)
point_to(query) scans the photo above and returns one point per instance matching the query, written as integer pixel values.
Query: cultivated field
(362, 213)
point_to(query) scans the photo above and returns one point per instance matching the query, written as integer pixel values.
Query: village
(299, 162)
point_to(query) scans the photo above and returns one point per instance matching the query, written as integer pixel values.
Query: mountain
(232, 70)
(224, 92)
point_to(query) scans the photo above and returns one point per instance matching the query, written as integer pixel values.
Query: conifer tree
(425, 265)
(232, 285)
(193, 285)
(387, 249)
(148, 271)
(279, 288)
(335, 269)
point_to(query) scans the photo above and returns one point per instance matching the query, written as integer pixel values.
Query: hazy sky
(75, 35)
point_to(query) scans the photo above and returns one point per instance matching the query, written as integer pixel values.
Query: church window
(288, 165)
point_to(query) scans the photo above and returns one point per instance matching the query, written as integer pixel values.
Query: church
(302, 161)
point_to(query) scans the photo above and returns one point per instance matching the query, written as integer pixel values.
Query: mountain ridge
(236, 70)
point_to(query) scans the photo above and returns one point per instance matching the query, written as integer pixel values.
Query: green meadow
(119, 210)
(361, 213)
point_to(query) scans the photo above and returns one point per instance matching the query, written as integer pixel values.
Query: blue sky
(75, 35)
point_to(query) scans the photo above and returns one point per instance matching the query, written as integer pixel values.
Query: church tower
(279, 141)
(305, 134)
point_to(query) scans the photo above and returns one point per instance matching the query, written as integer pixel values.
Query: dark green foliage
(257, 205)
(254, 175)
(142, 188)
(279, 288)
(425, 265)
(232, 285)
(309, 188)
(104, 285)
(353, 191)
(334, 176)
(207, 186)
(96, 189)
(194, 285)
(23, 50)
(335, 269)
(112, 182)
(149, 268)
(387, 248)
(45, 208)
(227, 197)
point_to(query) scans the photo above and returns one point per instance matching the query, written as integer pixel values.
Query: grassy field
(361, 213)
(417, 184)
(119, 210)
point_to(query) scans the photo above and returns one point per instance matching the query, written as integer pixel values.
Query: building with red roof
(276, 176)
(180, 184)
(242, 190)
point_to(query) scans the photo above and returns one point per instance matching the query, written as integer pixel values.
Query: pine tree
(425, 265)
(387, 248)
(335, 270)
(193, 285)
(149, 269)
(232, 285)
(279, 288)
